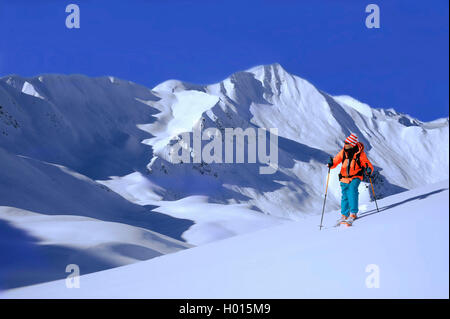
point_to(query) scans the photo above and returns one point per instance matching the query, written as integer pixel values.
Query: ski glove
(368, 171)
(330, 162)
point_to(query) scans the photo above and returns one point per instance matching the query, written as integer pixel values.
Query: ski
(339, 223)
(349, 223)
(346, 223)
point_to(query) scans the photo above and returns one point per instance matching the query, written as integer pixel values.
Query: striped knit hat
(352, 139)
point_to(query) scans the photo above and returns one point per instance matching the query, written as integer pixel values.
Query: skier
(354, 164)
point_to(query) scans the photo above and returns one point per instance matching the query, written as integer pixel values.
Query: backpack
(358, 162)
(357, 158)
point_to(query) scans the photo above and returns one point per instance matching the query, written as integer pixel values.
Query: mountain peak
(273, 68)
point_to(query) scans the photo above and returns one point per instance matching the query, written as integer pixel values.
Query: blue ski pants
(349, 200)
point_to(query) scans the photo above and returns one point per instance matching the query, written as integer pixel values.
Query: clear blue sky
(402, 65)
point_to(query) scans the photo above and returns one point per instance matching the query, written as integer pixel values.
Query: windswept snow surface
(216, 221)
(362, 108)
(29, 89)
(212, 221)
(185, 110)
(51, 216)
(42, 246)
(406, 245)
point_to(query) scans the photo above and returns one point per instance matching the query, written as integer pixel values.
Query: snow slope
(40, 247)
(407, 242)
(51, 215)
(57, 135)
(94, 152)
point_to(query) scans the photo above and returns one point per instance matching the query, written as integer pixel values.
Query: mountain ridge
(189, 85)
(262, 96)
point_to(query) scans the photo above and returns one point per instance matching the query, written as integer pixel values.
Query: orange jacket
(355, 170)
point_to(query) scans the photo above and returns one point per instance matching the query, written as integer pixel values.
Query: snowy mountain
(96, 152)
(311, 126)
(400, 252)
(58, 134)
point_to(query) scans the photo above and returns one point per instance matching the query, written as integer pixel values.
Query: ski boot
(342, 221)
(349, 221)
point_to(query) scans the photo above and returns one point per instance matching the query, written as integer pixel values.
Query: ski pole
(326, 190)
(373, 191)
